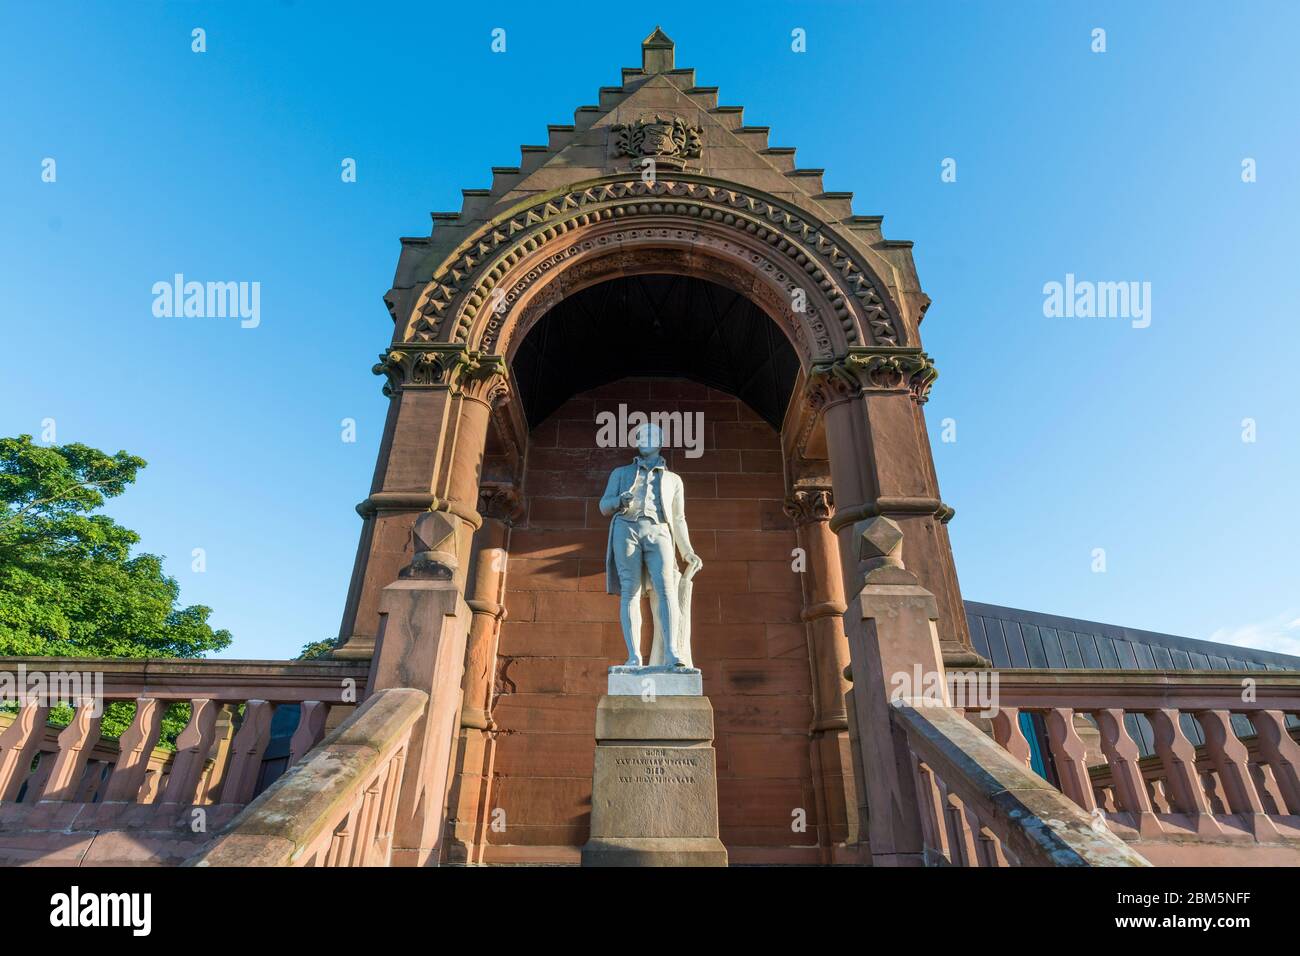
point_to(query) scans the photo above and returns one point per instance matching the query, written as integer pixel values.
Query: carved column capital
(474, 375)
(483, 378)
(809, 504)
(500, 502)
(871, 370)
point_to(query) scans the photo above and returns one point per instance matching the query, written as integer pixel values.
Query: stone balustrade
(62, 790)
(980, 807)
(939, 791)
(339, 806)
(1191, 766)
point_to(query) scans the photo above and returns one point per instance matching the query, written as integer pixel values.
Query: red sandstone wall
(562, 630)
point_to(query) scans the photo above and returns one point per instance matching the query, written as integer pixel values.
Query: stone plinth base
(655, 851)
(655, 681)
(655, 788)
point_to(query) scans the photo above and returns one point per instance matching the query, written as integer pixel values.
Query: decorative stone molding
(890, 505)
(667, 140)
(464, 372)
(871, 370)
(462, 298)
(414, 368)
(813, 504)
(733, 262)
(501, 503)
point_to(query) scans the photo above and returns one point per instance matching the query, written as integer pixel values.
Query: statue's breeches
(644, 544)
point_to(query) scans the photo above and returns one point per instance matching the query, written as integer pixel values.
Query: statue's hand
(693, 563)
(624, 501)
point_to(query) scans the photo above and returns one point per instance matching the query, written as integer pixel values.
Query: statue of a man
(646, 533)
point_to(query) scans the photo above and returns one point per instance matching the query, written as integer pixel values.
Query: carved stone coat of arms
(669, 140)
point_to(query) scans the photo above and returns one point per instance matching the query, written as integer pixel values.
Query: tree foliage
(69, 584)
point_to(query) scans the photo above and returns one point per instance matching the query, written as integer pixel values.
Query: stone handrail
(338, 806)
(1241, 785)
(980, 807)
(939, 791)
(218, 757)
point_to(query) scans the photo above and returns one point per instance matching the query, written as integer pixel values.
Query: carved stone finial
(880, 539)
(657, 52)
(433, 543)
(880, 551)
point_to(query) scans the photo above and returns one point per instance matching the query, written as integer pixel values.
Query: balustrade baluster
(135, 747)
(388, 808)
(1123, 755)
(1070, 756)
(192, 746)
(310, 731)
(952, 845)
(1213, 791)
(930, 825)
(1178, 757)
(18, 747)
(1230, 759)
(76, 742)
(1265, 787)
(344, 836)
(366, 826)
(151, 787)
(1282, 753)
(983, 852)
(246, 752)
(1007, 732)
(1156, 794)
(960, 842)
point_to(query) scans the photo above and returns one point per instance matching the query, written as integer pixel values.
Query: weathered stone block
(654, 787)
(656, 681)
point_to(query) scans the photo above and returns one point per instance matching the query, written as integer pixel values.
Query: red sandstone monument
(661, 258)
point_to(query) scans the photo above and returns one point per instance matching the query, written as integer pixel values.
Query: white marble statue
(646, 534)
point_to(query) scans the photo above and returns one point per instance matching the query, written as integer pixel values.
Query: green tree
(69, 585)
(316, 650)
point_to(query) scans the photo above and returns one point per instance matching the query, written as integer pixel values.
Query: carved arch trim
(477, 293)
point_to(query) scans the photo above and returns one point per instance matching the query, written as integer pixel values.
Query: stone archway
(865, 375)
(854, 442)
(501, 279)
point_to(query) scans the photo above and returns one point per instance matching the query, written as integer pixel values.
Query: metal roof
(1010, 637)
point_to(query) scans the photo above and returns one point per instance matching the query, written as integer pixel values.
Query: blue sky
(1073, 434)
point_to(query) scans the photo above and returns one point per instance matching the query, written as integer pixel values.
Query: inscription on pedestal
(654, 799)
(658, 765)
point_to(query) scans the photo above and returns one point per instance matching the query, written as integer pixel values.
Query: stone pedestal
(654, 681)
(655, 789)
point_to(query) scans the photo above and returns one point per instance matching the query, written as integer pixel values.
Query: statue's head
(649, 440)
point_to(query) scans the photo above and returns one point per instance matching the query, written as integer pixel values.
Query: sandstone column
(429, 460)
(881, 465)
(470, 798)
(828, 655)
